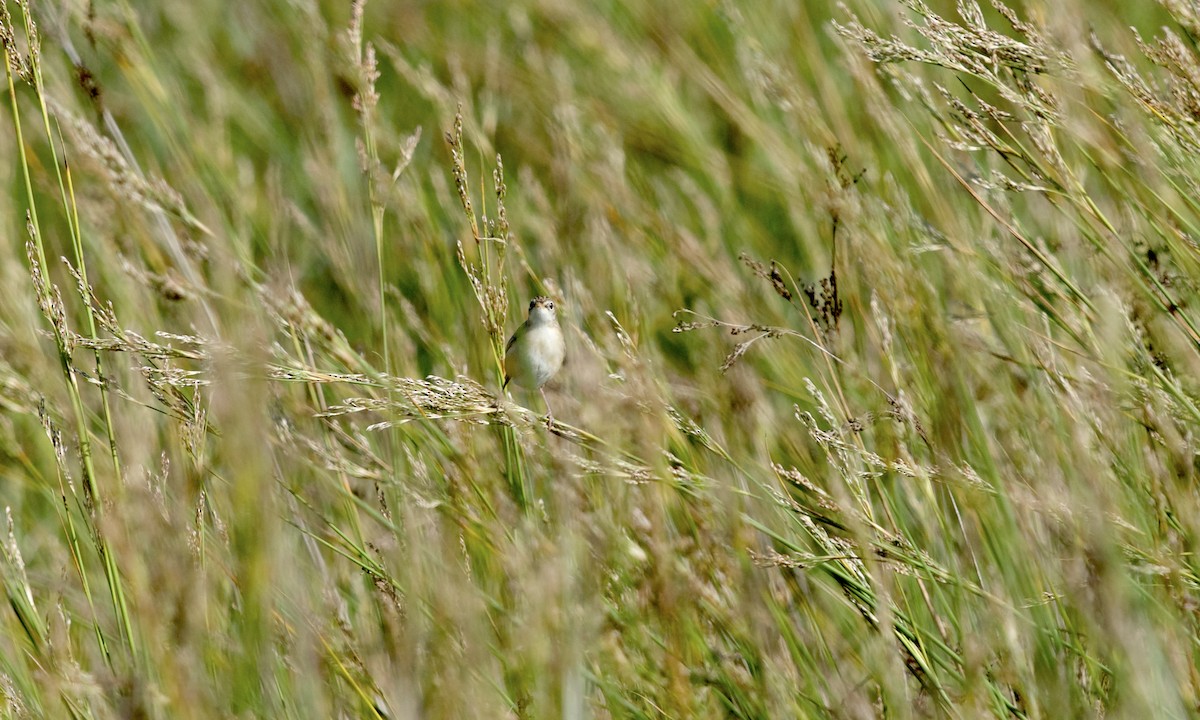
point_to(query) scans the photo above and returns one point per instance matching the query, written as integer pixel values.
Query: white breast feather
(539, 356)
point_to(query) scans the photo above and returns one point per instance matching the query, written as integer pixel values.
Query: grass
(880, 398)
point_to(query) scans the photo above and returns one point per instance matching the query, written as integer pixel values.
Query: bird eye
(550, 305)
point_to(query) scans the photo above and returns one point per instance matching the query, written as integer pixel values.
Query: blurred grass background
(881, 387)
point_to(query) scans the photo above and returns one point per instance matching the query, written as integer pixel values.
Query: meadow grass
(880, 398)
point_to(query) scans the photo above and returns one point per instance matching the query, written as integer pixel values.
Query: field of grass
(882, 394)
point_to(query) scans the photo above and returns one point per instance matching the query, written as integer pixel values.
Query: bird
(536, 351)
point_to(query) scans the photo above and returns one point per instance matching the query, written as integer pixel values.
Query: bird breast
(535, 358)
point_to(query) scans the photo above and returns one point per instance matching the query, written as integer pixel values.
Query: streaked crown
(541, 302)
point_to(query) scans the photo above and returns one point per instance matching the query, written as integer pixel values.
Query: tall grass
(880, 397)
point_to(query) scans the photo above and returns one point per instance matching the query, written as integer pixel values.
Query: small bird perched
(536, 351)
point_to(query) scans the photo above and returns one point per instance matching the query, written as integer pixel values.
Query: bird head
(541, 310)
